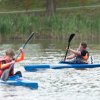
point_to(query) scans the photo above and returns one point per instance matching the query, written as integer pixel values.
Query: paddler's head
(83, 46)
(10, 54)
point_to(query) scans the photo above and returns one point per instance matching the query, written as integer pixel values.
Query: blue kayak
(20, 81)
(35, 67)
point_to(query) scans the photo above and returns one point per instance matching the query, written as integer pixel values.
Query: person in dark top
(79, 56)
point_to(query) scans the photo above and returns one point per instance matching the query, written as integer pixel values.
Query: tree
(50, 7)
(27, 4)
(82, 2)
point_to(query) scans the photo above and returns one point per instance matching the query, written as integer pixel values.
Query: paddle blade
(71, 37)
(5, 75)
(69, 40)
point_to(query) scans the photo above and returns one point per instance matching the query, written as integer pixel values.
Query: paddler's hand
(68, 49)
(12, 62)
(21, 49)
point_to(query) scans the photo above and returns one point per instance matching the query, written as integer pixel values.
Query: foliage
(10, 5)
(50, 27)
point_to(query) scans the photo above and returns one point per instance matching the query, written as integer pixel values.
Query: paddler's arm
(21, 57)
(71, 56)
(74, 51)
(4, 66)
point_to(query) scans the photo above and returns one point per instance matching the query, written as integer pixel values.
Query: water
(61, 84)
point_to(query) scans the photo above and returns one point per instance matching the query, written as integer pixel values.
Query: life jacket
(85, 55)
(4, 61)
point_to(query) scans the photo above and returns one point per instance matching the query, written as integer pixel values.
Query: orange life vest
(4, 61)
(85, 55)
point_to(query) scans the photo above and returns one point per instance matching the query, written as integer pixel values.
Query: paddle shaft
(23, 46)
(67, 51)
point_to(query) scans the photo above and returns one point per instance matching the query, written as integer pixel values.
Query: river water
(61, 84)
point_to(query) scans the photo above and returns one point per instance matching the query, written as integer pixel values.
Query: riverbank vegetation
(84, 21)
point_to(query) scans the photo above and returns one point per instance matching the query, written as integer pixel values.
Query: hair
(84, 44)
(10, 52)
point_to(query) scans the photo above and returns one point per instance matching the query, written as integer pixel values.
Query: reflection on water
(62, 84)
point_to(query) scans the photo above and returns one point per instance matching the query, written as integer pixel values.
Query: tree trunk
(82, 2)
(50, 7)
(27, 4)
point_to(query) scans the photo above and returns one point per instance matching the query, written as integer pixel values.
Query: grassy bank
(84, 22)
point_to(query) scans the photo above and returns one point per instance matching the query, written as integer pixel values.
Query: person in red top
(8, 60)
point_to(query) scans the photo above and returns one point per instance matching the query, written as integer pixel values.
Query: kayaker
(79, 56)
(8, 59)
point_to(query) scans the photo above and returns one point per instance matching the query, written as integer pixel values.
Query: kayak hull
(35, 67)
(20, 81)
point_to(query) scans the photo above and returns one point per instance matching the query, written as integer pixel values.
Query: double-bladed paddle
(5, 74)
(69, 40)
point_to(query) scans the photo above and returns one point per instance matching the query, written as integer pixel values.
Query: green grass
(84, 21)
(57, 27)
